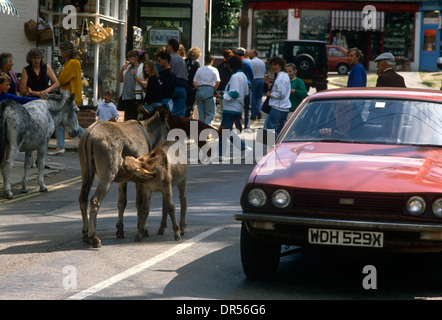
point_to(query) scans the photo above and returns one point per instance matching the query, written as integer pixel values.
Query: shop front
(374, 27)
(430, 46)
(160, 21)
(101, 56)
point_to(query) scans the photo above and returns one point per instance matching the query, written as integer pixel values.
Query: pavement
(412, 80)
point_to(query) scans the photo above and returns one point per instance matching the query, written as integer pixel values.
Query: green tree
(225, 15)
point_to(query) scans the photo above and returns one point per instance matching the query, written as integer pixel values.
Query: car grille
(348, 202)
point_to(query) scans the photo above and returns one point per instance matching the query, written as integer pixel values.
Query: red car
(337, 59)
(356, 167)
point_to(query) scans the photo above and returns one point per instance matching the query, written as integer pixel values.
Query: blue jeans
(247, 109)
(276, 120)
(257, 91)
(61, 135)
(205, 103)
(149, 107)
(179, 101)
(168, 102)
(227, 121)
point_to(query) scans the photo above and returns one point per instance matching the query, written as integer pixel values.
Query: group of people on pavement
(284, 94)
(172, 78)
(181, 83)
(244, 91)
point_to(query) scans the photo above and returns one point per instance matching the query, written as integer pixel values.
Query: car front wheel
(342, 69)
(259, 259)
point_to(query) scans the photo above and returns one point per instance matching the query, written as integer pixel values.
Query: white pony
(28, 127)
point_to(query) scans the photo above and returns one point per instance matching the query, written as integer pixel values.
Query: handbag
(265, 106)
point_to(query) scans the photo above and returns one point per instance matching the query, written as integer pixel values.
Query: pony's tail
(87, 159)
(3, 130)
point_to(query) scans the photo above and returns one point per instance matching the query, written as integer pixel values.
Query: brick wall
(86, 116)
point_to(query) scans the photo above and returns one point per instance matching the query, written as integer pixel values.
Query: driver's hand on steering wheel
(325, 131)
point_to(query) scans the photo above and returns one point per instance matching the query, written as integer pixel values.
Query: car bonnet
(352, 167)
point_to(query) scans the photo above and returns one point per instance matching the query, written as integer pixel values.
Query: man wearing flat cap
(387, 77)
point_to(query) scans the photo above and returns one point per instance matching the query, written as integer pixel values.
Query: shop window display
(399, 35)
(225, 38)
(99, 61)
(161, 21)
(315, 25)
(269, 26)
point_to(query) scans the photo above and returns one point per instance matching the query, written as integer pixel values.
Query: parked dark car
(337, 59)
(309, 57)
(358, 168)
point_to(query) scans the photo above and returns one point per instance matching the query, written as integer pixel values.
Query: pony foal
(161, 171)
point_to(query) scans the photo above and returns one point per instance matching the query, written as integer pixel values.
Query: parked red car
(337, 59)
(359, 167)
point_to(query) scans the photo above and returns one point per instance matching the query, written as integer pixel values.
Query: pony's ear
(72, 97)
(164, 112)
(145, 174)
(139, 168)
(142, 112)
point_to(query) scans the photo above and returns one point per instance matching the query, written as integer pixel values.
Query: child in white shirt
(106, 110)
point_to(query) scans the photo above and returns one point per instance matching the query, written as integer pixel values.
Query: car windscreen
(368, 121)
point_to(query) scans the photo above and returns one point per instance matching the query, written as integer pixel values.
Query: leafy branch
(225, 15)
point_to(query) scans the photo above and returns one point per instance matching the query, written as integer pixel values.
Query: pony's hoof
(86, 240)
(145, 234)
(177, 236)
(160, 232)
(8, 195)
(44, 189)
(24, 190)
(96, 243)
(120, 234)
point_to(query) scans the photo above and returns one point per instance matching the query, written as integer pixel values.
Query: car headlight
(257, 197)
(281, 198)
(416, 206)
(437, 208)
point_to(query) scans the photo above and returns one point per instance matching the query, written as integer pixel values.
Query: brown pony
(186, 124)
(102, 150)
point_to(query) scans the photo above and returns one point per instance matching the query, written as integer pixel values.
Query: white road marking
(142, 266)
(56, 186)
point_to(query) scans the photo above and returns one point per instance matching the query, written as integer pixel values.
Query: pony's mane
(58, 97)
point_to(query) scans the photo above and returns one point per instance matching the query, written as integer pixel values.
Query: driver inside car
(347, 122)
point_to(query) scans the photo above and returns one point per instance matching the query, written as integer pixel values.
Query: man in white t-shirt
(206, 81)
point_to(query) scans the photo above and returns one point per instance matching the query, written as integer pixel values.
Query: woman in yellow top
(70, 80)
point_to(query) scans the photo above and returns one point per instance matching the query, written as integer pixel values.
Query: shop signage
(159, 37)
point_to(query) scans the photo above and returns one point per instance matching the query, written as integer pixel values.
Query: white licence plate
(346, 237)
